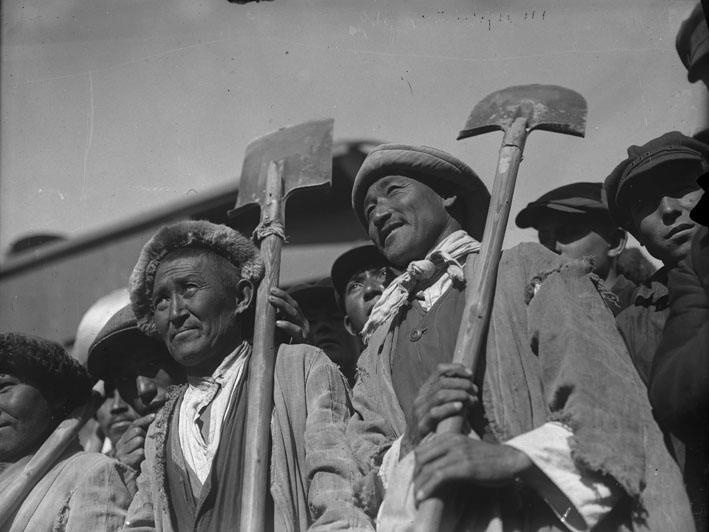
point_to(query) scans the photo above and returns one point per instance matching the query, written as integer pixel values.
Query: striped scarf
(444, 257)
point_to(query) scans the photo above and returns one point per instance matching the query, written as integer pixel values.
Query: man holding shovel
(553, 403)
(192, 288)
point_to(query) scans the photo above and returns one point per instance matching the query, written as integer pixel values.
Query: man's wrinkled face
(25, 417)
(362, 292)
(142, 375)
(576, 236)
(406, 218)
(196, 306)
(659, 210)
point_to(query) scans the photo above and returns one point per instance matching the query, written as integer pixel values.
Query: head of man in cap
(359, 277)
(573, 221)
(652, 192)
(136, 369)
(692, 45)
(317, 302)
(543, 356)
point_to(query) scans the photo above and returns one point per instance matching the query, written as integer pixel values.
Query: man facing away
(553, 402)
(192, 288)
(573, 221)
(651, 194)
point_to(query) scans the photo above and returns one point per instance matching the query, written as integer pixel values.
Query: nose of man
(146, 389)
(118, 406)
(670, 208)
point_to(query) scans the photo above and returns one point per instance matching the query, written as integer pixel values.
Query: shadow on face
(26, 417)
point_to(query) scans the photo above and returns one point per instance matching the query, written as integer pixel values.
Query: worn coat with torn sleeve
(553, 355)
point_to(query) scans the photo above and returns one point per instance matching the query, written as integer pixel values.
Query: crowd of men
(588, 411)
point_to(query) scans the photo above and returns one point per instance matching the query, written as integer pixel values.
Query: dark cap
(432, 167)
(577, 198)
(120, 332)
(315, 296)
(351, 262)
(669, 148)
(693, 43)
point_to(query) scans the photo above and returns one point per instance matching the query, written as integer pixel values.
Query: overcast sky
(110, 108)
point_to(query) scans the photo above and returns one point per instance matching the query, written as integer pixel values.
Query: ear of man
(619, 240)
(348, 326)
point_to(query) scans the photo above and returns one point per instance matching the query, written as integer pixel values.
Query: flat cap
(200, 234)
(353, 261)
(666, 149)
(692, 43)
(430, 166)
(577, 198)
(120, 333)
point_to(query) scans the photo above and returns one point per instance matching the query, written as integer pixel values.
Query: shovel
(275, 166)
(517, 111)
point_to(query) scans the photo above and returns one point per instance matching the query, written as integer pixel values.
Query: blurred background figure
(327, 330)
(692, 45)
(573, 221)
(137, 372)
(41, 384)
(359, 277)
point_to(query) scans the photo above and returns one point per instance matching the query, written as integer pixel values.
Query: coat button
(416, 334)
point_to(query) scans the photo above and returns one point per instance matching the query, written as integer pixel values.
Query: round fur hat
(200, 234)
(430, 166)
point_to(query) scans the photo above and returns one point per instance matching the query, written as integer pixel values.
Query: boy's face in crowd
(660, 207)
(576, 236)
(330, 335)
(115, 415)
(405, 218)
(361, 294)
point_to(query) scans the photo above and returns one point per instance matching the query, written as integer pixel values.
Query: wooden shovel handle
(261, 368)
(481, 276)
(44, 459)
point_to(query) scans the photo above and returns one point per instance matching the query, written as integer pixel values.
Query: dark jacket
(679, 382)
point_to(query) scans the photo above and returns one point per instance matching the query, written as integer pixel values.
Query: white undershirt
(215, 390)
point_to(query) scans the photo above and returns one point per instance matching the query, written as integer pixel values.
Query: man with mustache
(193, 288)
(137, 372)
(553, 401)
(650, 194)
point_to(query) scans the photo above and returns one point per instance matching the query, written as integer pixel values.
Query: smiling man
(193, 288)
(651, 194)
(137, 371)
(555, 397)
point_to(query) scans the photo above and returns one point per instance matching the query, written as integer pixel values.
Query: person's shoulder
(305, 355)
(529, 251)
(81, 467)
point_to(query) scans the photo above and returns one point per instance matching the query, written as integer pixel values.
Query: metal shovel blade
(305, 151)
(546, 107)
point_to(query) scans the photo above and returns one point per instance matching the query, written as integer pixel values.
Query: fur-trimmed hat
(431, 166)
(217, 238)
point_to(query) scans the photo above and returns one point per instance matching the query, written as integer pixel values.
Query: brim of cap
(700, 60)
(531, 214)
(353, 261)
(101, 350)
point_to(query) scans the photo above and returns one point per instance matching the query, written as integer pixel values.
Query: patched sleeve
(140, 516)
(332, 468)
(579, 498)
(100, 500)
